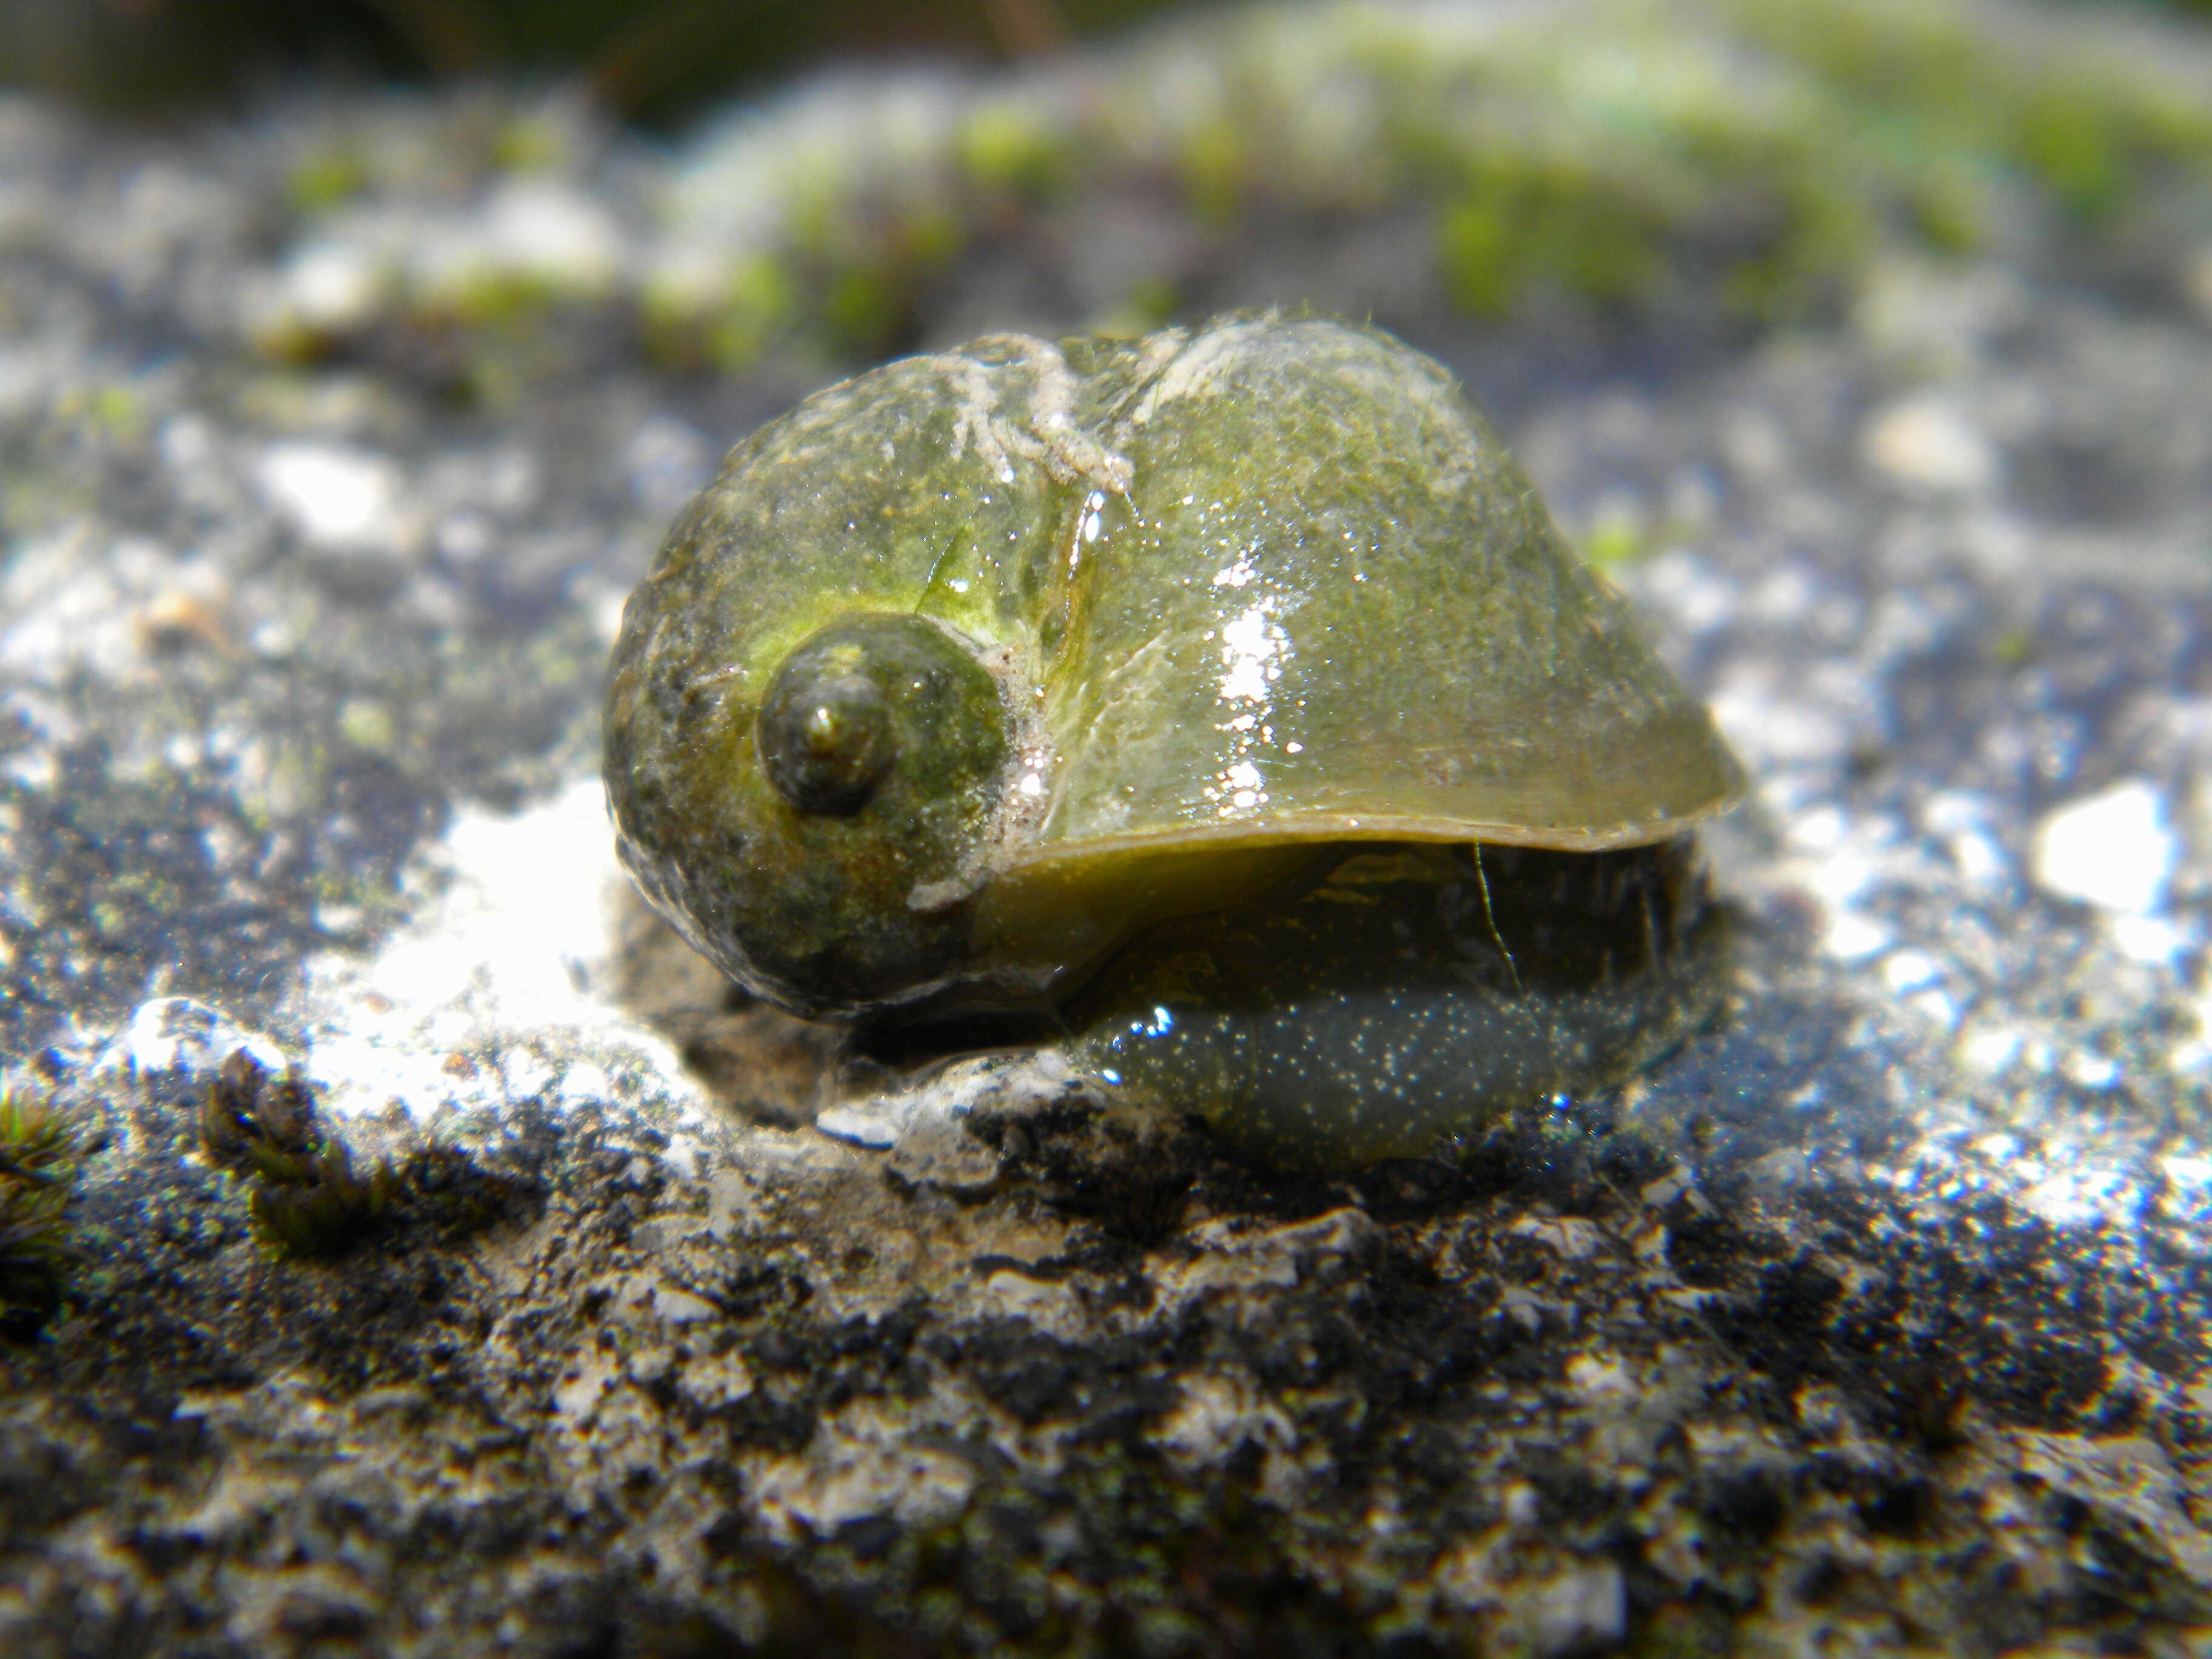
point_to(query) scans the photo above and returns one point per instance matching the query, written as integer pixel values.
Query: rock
(654, 1320)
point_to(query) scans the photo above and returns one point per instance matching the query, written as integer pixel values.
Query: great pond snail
(1223, 703)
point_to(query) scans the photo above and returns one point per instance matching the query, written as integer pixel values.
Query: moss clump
(307, 1199)
(2090, 127)
(1522, 220)
(324, 179)
(725, 318)
(1011, 153)
(39, 1156)
(1623, 156)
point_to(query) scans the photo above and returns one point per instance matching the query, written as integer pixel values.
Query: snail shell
(970, 670)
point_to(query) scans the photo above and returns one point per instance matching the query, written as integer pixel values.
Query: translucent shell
(1235, 592)
(1330, 605)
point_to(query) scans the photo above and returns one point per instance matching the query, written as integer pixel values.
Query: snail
(1223, 703)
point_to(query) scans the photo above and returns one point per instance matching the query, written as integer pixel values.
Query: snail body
(1236, 674)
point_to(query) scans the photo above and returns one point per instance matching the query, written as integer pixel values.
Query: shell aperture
(1391, 997)
(971, 670)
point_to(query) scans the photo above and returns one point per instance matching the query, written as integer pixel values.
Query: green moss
(1010, 149)
(1910, 56)
(755, 306)
(501, 298)
(325, 1212)
(2073, 146)
(108, 413)
(1149, 304)
(40, 1152)
(1619, 537)
(2084, 124)
(1523, 220)
(867, 268)
(1767, 151)
(532, 140)
(1217, 169)
(324, 180)
(1821, 238)
(1949, 215)
(864, 308)
(368, 724)
(1480, 270)
(306, 1199)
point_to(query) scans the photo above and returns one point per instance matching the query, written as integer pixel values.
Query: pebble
(2116, 850)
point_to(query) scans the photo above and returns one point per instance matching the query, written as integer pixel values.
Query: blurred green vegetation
(40, 1153)
(1724, 163)
(655, 61)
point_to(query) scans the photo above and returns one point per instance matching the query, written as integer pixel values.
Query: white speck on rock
(1599, 1378)
(334, 496)
(866, 1463)
(872, 1124)
(543, 228)
(2187, 1171)
(577, 1395)
(1467, 1579)
(2151, 940)
(1780, 1170)
(1569, 1236)
(1010, 1295)
(1964, 822)
(1578, 1611)
(681, 1307)
(2130, 1484)
(2090, 1071)
(2115, 850)
(1926, 442)
(176, 1034)
(1988, 1050)
(330, 285)
(1852, 937)
(713, 1383)
(1906, 971)
(1218, 1415)
(1689, 589)
(1302, 1252)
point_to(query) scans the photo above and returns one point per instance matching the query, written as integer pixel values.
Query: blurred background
(715, 186)
(656, 62)
(653, 61)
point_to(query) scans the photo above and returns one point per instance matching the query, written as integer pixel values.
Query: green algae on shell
(971, 670)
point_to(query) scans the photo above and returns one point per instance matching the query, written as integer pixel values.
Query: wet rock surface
(645, 1322)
